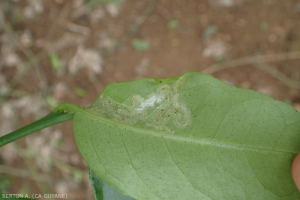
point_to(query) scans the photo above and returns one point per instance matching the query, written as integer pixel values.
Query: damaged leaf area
(190, 137)
(160, 110)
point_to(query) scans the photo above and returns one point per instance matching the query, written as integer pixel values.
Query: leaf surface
(103, 191)
(190, 137)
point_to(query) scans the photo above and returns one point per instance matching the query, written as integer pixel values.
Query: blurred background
(53, 51)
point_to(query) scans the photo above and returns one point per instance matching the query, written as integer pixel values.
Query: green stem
(64, 112)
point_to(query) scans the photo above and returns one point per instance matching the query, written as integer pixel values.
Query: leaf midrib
(178, 137)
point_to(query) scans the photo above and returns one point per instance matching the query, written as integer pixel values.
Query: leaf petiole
(64, 112)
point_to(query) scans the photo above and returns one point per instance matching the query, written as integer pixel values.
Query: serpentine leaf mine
(156, 111)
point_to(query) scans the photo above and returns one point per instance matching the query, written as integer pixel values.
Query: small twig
(75, 27)
(20, 73)
(252, 60)
(25, 174)
(259, 63)
(29, 54)
(71, 170)
(165, 13)
(134, 29)
(26, 154)
(279, 75)
(32, 169)
(63, 13)
(33, 60)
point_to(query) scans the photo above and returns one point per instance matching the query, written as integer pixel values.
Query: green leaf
(190, 137)
(111, 1)
(80, 91)
(264, 26)
(103, 191)
(173, 24)
(94, 3)
(55, 62)
(210, 31)
(140, 45)
(52, 102)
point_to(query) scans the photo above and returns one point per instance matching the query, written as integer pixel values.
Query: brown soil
(245, 29)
